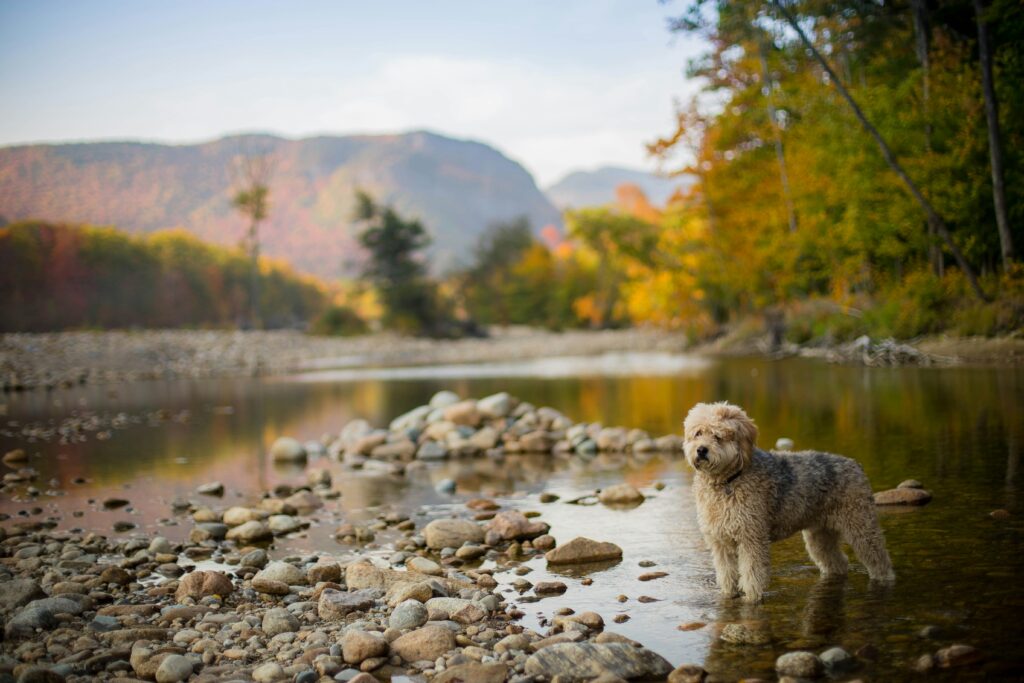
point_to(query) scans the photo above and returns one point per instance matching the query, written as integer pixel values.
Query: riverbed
(957, 430)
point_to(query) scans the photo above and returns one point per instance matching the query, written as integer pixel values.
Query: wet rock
(287, 449)
(513, 525)
(688, 673)
(426, 643)
(904, 496)
(651, 576)
(746, 634)
(452, 533)
(784, 444)
(199, 584)
(15, 456)
(910, 484)
(621, 494)
(213, 488)
(837, 660)
(799, 664)
(255, 558)
(115, 503)
(549, 588)
(173, 668)
(581, 550)
(335, 604)
(1000, 514)
(250, 532)
(284, 524)
(548, 497)
(407, 615)
(357, 646)
(957, 655)
(304, 501)
(208, 531)
(496, 672)
(584, 661)
(422, 565)
(279, 620)
(236, 516)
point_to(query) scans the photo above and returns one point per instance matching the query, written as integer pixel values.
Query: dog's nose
(702, 452)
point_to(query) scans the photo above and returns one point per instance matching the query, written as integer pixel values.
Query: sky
(557, 85)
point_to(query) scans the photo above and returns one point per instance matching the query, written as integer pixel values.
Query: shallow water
(957, 430)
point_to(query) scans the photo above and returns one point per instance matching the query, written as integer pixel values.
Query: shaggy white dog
(747, 498)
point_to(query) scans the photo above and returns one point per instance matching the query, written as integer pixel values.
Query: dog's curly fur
(747, 498)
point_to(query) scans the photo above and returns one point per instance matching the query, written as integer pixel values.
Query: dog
(748, 498)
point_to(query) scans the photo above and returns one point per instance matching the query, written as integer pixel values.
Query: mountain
(597, 187)
(456, 187)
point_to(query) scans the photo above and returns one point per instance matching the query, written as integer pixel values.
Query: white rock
(287, 449)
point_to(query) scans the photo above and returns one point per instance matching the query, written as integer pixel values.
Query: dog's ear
(744, 428)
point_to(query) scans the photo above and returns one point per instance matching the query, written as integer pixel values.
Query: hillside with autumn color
(456, 187)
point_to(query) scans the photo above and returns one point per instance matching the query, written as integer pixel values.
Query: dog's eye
(718, 438)
(698, 433)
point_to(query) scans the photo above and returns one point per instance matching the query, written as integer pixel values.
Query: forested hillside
(456, 187)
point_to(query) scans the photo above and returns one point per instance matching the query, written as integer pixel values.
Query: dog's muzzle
(702, 453)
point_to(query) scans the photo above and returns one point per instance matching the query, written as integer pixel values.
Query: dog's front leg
(754, 566)
(723, 552)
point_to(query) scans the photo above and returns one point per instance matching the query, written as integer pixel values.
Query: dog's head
(719, 438)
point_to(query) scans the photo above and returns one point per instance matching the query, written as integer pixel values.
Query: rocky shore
(405, 598)
(63, 359)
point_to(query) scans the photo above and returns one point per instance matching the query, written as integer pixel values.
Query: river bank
(63, 359)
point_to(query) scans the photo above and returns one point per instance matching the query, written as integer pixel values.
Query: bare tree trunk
(890, 158)
(780, 154)
(254, 276)
(921, 33)
(995, 145)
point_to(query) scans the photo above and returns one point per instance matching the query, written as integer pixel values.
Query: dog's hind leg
(863, 533)
(823, 545)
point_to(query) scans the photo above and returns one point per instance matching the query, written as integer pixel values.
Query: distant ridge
(597, 187)
(456, 187)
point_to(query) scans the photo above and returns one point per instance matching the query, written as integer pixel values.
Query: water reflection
(957, 430)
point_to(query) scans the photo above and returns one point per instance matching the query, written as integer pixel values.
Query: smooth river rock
(287, 449)
(800, 664)
(584, 661)
(903, 496)
(427, 643)
(621, 494)
(580, 550)
(452, 533)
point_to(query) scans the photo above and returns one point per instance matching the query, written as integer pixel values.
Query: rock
(250, 532)
(670, 443)
(426, 643)
(432, 450)
(837, 660)
(452, 533)
(115, 503)
(357, 646)
(463, 413)
(957, 654)
(414, 419)
(445, 486)
(284, 572)
(1000, 514)
(467, 614)
(324, 570)
(283, 524)
(18, 592)
(319, 477)
(549, 588)
(236, 516)
(25, 622)
(513, 525)
(268, 673)
(746, 634)
(304, 501)
(651, 576)
(279, 620)
(584, 661)
(473, 672)
(536, 442)
(799, 664)
(910, 484)
(687, 673)
(612, 439)
(199, 584)
(495, 405)
(443, 399)
(621, 494)
(484, 439)
(173, 668)
(17, 455)
(784, 444)
(422, 565)
(208, 531)
(407, 615)
(904, 496)
(544, 542)
(269, 586)
(335, 604)
(287, 449)
(400, 592)
(580, 550)
(213, 488)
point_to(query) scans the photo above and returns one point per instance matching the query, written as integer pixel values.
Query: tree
(995, 144)
(485, 284)
(252, 201)
(394, 266)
